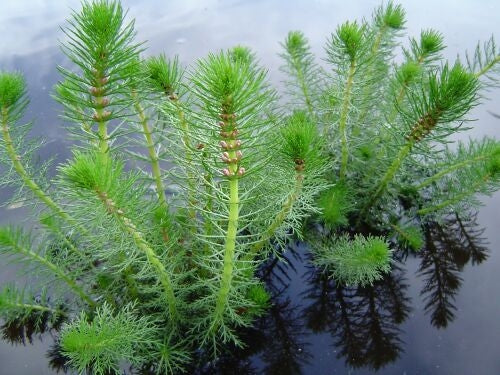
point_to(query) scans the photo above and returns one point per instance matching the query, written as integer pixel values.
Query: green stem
(186, 141)
(378, 40)
(343, 119)
(402, 93)
(366, 90)
(28, 306)
(153, 156)
(458, 198)
(21, 171)
(450, 169)
(151, 256)
(68, 243)
(229, 250)
(209, 202)
(303, 86)
(486, 68)
(56, 270)
(103, 135)
(388, 176)
(401, 232)
(280, 217)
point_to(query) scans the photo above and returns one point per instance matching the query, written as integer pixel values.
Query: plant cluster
(183, 181)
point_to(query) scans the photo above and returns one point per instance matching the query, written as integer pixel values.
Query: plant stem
(488, 67)
(422, 127)
(56, 270)
(144, 246)
(343, 119)
(366, 90)
(103, 136)
(70, 244)
(209, 202)
(186, 141)
(153, 156)
(388, 176)
(402, 93)
(101, 115)
(280, 217)
(229, 250)
(450, 169)
(21, 171)
(28, 306)
(303, 86)
(232, 227)
(458, 198)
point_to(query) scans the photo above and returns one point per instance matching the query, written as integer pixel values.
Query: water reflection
(363, 322)
(449, 247)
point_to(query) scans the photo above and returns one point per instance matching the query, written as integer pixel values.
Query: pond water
(437, 313)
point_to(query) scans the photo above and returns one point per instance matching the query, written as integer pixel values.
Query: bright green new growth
(157, 258)
(431, 42)
(242, 54)
(392, 16)
(165, 75)
(301, 142)
(335, 204)
(100, 342)
(361, 260)
(349, 37)
(11, 88)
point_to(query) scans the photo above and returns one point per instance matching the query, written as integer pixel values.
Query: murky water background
(314, 327)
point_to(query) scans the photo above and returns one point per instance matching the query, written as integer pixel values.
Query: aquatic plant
(183, 182)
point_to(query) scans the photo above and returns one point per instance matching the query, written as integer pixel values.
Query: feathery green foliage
(410, 237)
(361, 260)
(335, 205)
(183, 181)
(100, 342)
(11, 88)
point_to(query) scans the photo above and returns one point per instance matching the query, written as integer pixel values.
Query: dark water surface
(437, 313)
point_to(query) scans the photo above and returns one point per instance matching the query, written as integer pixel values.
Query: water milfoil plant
(183, 181)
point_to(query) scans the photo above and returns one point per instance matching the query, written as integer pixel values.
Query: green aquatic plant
(183, 181)
(359, 261)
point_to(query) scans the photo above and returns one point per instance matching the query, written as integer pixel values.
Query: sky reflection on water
(468, 345)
